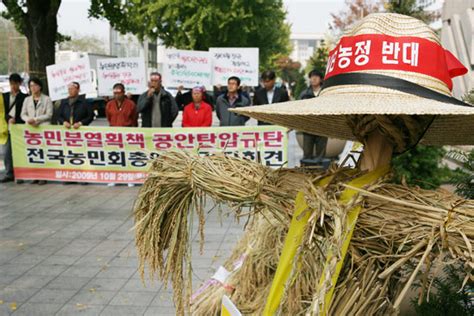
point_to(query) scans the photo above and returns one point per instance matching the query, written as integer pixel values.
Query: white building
(457, 35)
(128, 45)
(304, 45)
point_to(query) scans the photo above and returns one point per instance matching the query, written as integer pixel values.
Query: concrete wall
(457, 35)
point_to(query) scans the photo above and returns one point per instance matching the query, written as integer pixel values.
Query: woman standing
(197, 113)
(37, 109)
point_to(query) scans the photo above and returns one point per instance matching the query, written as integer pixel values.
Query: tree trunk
(40, 28)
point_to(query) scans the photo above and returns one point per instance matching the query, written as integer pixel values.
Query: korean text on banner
(128, 71)
(61, 75)
(240, 62)
(120, 154)
(187, 68)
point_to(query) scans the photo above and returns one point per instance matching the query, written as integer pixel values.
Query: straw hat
(402, 80)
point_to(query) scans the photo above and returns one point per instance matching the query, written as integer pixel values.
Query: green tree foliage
(463, 178)
(421, 166)
(289, 71)
(200, 24)
(469, 97)
(319, 60)
(189, 24)
(299, 84)
(448, 296)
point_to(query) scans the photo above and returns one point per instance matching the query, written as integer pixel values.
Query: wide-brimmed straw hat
(389, 66)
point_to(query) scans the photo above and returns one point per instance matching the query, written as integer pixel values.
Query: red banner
(383, 52)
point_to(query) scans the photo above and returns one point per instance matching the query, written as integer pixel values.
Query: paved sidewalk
(68, 250)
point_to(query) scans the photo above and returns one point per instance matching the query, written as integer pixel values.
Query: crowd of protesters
(156, 107)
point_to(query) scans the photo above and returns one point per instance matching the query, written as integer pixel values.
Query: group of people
(158, 108)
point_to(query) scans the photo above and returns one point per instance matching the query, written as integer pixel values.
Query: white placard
(221, 274)
(228, 308)
(128, 71)
(61, 75)
(187, 68)
(240, 62)
(350, 154)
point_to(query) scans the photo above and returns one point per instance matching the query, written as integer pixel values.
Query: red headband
(383, 52)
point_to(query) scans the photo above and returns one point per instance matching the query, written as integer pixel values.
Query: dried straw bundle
(400, 233)
(262, 243)
(176, 186)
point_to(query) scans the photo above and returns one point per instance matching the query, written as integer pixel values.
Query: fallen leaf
(81, 306)
(13, 306)
(92, 290)
(1, 302)
(104, 267)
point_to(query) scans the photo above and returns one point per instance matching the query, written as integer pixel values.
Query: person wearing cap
(121, 111)
(269, 93)
(314, 146)
(13, 102)
(37, 109)
(232, 99)
(197, 113)
(184, 98)
(74, 111)
(157, 106)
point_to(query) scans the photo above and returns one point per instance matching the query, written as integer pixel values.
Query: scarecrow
(342, 242)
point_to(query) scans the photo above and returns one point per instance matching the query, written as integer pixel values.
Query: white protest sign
(240, 62)
(128, 71)
(350, 154)
(228, 308)
(187, 68)
(61, 75)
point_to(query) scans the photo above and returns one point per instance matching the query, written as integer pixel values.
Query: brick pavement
(68, 250)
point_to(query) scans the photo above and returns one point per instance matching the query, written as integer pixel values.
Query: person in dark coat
(74, 111)
(233, 98)
(269, 94)
(314, 146)
(157, 106)
(13, 102)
